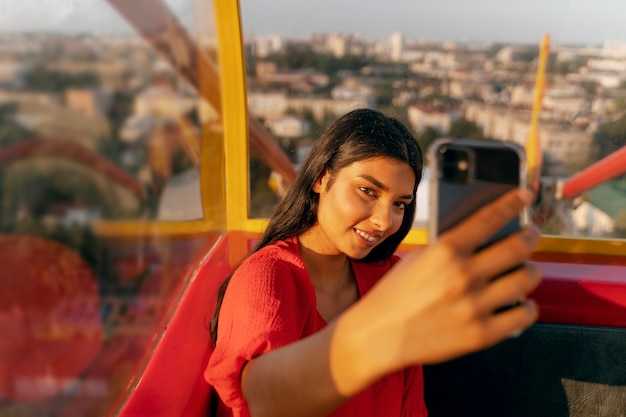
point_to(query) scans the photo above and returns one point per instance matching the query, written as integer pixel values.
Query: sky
(524, 21)
(72, 16)
(567, 21)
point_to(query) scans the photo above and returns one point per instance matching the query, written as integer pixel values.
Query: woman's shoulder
(273, 274)
(277, 262)
(283, 253)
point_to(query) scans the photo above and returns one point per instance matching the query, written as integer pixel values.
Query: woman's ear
(321, 182)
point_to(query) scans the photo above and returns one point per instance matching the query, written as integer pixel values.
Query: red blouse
(270, 302)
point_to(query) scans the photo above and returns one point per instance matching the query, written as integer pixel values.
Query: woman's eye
(368, 191)
(401, 204)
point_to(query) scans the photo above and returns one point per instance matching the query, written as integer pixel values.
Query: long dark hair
(358, 135)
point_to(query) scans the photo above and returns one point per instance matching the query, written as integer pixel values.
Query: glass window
(97, 122)
(449, 69)
(103, 105)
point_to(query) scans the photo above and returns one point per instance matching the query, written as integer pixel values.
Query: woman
(306, 327)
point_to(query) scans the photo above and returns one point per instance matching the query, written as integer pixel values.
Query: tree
(119, 111)
(463, 128)
(295, 59)
(384, 93)
(42, 79)
(426, 137)
(620, 222)
(10, 130)
(610, 137)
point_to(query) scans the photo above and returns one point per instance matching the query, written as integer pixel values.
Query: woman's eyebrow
(383, 186)
(375, 182)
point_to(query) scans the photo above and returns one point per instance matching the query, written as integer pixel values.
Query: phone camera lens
(454, 165)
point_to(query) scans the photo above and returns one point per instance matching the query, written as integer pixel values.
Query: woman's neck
(325, 267)
(333, 280)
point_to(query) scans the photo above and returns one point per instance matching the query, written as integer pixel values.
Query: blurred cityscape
(113, 99)
(465, 90)
(129, 112)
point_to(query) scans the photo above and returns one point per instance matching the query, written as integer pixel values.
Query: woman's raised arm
(434, 305)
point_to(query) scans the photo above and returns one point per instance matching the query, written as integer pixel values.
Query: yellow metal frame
(557, 244)
(225, 179)
(233, 107)
(235, 112)
(110, 228)
(224, 170)
(237, 151)
(416, 237)
(212, 165)
(582, 245)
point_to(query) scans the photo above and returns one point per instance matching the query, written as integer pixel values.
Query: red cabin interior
(571, 363)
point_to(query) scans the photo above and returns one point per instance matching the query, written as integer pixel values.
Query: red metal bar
(66, 149)
(605, 169)
(154, 21)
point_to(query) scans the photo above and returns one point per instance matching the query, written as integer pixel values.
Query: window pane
(97, 124)
(100, 123)
(464, 71)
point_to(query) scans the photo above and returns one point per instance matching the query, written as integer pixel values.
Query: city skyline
(567, 21)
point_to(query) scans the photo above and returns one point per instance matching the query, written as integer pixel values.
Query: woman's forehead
(390, 172)
(377, 161)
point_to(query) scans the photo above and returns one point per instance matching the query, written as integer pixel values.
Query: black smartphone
(465, 174)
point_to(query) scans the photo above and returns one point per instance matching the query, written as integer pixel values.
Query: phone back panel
(467, 174)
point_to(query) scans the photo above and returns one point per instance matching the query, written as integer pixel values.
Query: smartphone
(465, 174)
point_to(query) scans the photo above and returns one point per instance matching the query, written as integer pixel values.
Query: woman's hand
(438, 303)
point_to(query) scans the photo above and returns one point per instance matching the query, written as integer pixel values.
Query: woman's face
(363, 206)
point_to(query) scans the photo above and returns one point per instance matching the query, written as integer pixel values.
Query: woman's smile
(360, 205)
(370, 240)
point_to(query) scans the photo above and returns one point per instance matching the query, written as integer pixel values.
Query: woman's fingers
(439, 303)
(474, 231)
(497, 327)
(471, 274)
(509, 289)
(510, 323)
(504, 255)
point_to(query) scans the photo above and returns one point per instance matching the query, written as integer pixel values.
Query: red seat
(170, 382)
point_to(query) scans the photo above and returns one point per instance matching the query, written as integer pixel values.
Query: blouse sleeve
(268, 304)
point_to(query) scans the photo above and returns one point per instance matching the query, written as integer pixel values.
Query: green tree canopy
(43, 79)
(10, 130)
(426, 137)
(325, 63)
(610, 137)
(464, 129)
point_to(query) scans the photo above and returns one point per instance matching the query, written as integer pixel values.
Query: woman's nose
(382, 217)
